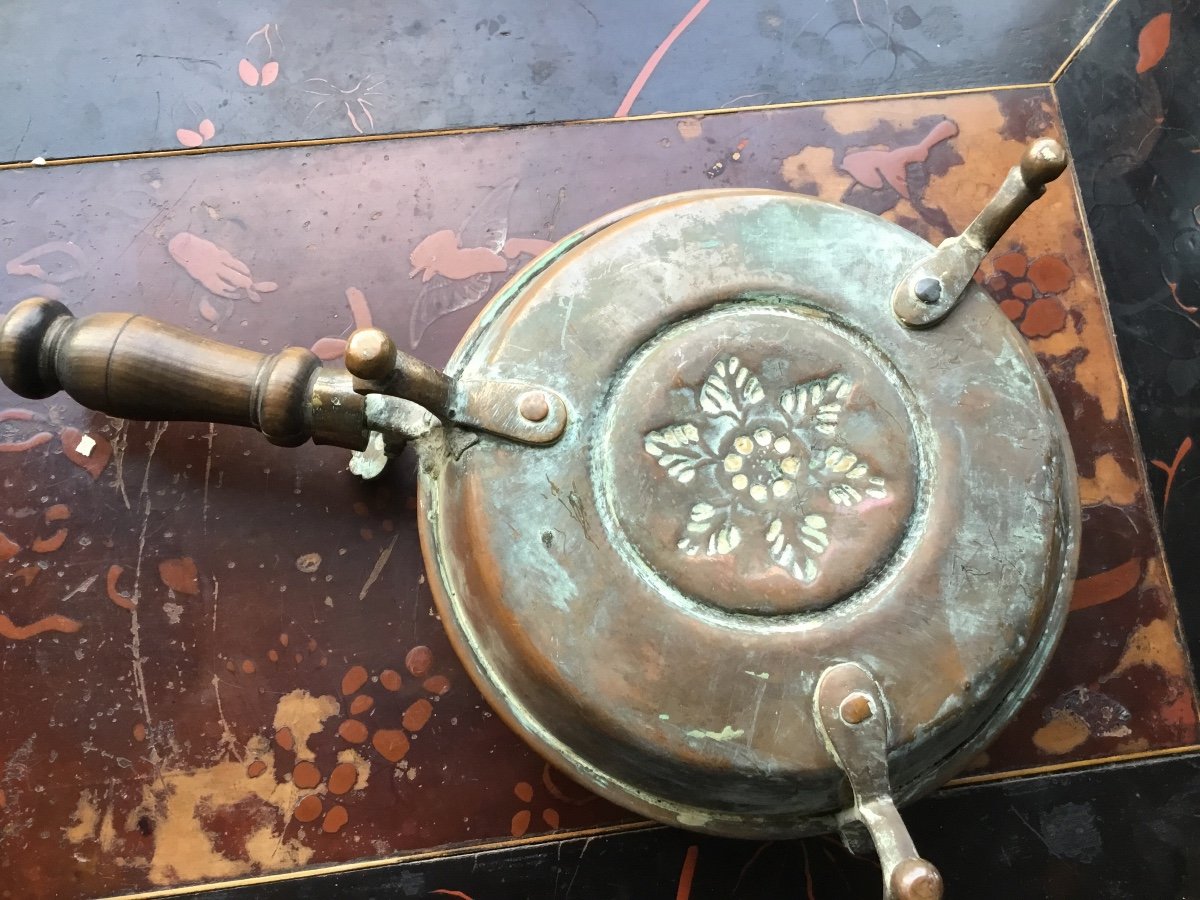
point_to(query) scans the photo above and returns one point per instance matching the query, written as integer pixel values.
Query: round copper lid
(764, 474)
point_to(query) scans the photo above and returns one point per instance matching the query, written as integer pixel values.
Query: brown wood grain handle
(134, 367)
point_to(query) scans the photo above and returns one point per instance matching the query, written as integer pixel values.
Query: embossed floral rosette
(752, 460)
(760, 458)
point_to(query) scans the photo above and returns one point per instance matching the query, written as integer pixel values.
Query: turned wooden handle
(133, 367)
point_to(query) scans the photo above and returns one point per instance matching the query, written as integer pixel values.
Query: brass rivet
(856, 708)
(534, 406)
(370, 354)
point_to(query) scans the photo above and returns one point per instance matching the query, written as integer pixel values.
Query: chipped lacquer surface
(198, 624)
(157, 74)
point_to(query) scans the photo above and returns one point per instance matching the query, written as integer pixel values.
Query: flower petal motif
(270, 72)
(799, 562)
(248, 72)
(1050, 274)
(841, 468)
(1014, 263)
(710, 531)
(764, 474)
(678, 450)
(820, 399)
(729, 388)
(1030, 293)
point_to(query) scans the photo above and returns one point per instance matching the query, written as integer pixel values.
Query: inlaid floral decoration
(769, 456)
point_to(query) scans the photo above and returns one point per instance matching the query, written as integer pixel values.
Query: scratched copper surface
(220, 658)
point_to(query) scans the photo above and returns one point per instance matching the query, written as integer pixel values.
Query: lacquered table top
(221, 658)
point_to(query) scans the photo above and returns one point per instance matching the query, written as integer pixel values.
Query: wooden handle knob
(137, 368)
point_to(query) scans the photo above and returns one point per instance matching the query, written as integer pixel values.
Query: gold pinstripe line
(482, 129)
(604, 830)
(418, 856)
(1084, 41)
(1074, 765)
(487, 129)
(1156, 524)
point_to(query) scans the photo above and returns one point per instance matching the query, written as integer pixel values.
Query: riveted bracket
(515, 410)
(935, 285)
(852, 718)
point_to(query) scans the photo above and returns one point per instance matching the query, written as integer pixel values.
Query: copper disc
(764, 473)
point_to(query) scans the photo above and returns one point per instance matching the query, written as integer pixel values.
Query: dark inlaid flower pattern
(763, 458)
